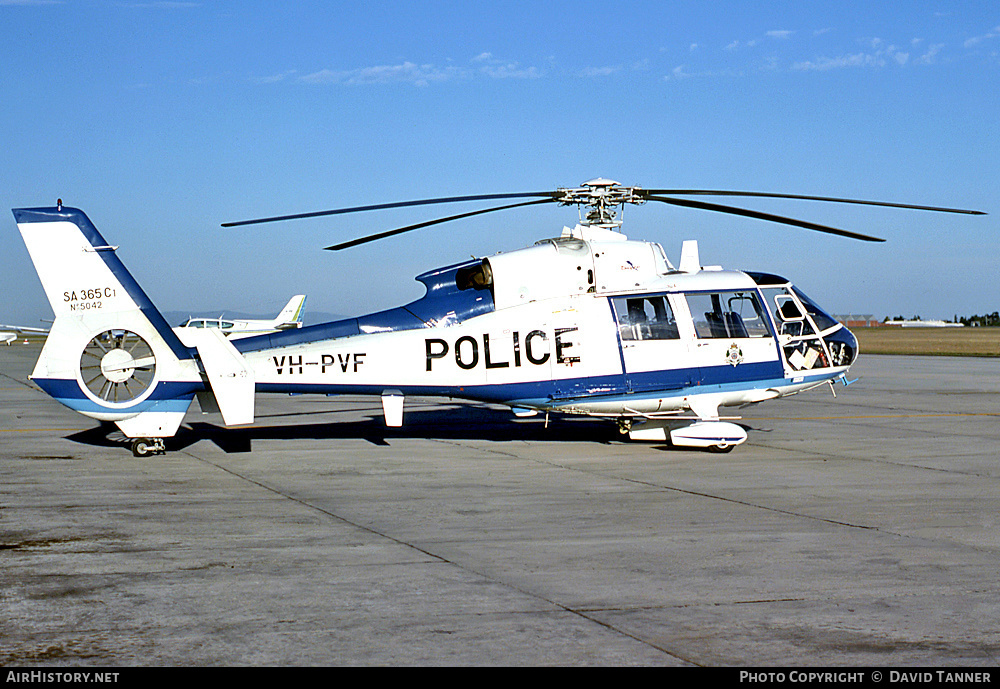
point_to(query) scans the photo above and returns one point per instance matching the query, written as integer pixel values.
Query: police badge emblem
(734, 355)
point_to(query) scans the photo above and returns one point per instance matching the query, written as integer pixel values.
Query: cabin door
(654, 355)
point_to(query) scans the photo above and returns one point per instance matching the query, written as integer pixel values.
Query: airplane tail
(110, 354)
(291, 315)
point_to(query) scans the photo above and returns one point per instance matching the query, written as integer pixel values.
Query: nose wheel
(144, 447)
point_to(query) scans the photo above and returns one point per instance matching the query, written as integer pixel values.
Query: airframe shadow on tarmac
(449, 422)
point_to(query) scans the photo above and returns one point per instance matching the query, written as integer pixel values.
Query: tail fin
(291, 315)
(110, 354)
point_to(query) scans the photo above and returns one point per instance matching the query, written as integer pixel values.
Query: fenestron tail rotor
(117, 366)
(600, 197)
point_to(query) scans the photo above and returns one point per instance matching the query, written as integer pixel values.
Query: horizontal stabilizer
(231, 379)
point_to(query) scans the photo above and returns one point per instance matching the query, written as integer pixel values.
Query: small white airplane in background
(289, 317)
(233, 328)
(11, 332)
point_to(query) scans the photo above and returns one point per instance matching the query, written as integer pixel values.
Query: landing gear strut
(144, 447)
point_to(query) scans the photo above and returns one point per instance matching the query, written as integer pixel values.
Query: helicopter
(588, 322)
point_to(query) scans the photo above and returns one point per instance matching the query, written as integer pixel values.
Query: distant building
(924, 324)
(854, 320)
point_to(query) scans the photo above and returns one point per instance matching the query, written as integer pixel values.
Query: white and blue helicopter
(588, 322)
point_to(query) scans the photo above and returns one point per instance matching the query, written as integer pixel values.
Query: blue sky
(162, 120)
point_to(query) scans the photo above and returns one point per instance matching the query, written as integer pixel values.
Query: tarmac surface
(860, 530)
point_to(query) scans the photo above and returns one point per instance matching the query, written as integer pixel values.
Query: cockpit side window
(646, 317)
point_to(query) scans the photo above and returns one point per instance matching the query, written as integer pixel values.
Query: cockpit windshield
(805, 347)
(819, 316)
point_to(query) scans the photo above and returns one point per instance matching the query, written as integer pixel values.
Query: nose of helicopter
(843, 346)
(852, 345)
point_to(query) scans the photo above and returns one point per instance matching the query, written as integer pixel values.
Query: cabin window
(736, 314)
(647, 317)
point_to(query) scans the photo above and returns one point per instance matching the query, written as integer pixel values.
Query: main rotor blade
(761, 194)
(397, 204)
(408, 228)
(732, 210)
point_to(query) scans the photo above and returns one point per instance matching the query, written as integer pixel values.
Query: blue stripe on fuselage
(166, 396)
(554, 393)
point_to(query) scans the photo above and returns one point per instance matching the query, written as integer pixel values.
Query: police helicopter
(588, 322)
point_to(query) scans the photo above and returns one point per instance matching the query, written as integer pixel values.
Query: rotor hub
(600, 196)
(117, 365)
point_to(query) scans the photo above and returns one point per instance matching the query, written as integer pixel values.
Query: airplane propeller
(601, 195)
